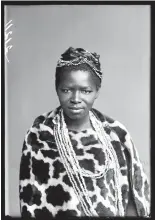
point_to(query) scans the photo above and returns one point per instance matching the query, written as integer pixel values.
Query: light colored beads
(76, 174)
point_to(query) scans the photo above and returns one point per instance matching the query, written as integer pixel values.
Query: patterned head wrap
(76, 56)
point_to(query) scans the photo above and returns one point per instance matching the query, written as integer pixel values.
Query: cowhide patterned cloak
(45, 189)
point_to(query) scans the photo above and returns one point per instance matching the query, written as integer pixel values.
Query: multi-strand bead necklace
(76, 174)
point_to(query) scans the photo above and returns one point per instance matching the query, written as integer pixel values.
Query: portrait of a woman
(77, 161)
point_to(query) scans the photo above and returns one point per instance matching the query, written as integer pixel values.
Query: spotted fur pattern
(91, 158)
(45, 189)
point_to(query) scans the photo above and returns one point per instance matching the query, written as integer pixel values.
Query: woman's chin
(73, 115)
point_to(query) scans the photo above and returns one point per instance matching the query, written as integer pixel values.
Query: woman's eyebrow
(86, 87)
(72, 86)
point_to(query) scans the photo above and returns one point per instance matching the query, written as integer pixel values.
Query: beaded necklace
(76, 173)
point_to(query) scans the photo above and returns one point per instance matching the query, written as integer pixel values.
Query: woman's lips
(75, 110)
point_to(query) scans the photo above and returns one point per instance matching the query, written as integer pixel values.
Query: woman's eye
(86, 91)
(65, 90)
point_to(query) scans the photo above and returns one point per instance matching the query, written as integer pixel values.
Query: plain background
(120, 34)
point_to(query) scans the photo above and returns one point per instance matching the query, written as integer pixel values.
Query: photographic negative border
(6, 3)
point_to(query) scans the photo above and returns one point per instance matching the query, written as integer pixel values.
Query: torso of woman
(56, 198)
(45, 188)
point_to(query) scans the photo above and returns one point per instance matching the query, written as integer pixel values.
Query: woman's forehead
(78, 77)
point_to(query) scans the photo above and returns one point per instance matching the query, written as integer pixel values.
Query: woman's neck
(78, 124)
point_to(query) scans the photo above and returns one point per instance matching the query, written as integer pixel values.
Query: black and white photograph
(77, 110)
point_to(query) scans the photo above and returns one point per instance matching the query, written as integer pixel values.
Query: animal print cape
(41, 170)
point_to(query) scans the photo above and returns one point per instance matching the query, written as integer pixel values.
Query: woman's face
(77, 92)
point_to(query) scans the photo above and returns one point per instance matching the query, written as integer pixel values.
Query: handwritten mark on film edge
(8, 32)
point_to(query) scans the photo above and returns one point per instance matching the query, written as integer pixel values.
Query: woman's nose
(75, 98)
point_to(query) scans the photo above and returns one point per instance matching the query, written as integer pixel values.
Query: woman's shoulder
(106, 118)
(114, 125)
(102, 117)
(45, 117)
(42, 127)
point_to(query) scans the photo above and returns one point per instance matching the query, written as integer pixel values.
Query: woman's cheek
(65, 98)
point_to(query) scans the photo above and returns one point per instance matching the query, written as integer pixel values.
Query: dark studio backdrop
(40, 34)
